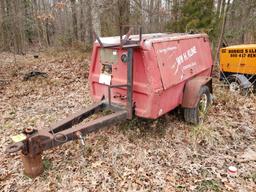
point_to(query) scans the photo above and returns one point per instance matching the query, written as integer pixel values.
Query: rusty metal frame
(124, 43)
(127, 42)
(129, 85)
(66, 130)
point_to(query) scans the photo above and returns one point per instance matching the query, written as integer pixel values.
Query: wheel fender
(243, 81)
(191, 91)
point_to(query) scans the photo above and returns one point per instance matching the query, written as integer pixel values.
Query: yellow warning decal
(18, 138)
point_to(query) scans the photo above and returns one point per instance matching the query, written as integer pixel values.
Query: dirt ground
(140, 155)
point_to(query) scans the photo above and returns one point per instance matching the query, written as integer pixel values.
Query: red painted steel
(162, 65)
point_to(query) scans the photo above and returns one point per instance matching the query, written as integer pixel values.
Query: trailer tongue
(146, 76)
(37, 141)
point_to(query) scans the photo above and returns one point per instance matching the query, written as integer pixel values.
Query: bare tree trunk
(247, 8)
(17, 32)
(150, 14)
(74, 19)
(89, 28)
(223, 6)
(218, 10)
(95, 12)
(82, 21)
(5, 10)
(2, 25)
(174, 12)
(45, 27)
(157, 24)
(123, 12)
(221, 32)
(47, 32)
(28, 18)
(37, 22)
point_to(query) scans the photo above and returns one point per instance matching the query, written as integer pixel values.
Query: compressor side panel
(180, 60)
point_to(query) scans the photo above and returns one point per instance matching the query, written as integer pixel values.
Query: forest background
(26, 24)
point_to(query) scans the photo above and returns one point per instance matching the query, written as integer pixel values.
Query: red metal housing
(163, 64)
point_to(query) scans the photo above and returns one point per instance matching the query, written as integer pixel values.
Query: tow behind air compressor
(133, 75)
(238, 67)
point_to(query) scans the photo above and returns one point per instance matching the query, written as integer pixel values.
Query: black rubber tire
(192, 115)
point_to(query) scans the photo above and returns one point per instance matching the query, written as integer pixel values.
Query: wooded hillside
(42, 23)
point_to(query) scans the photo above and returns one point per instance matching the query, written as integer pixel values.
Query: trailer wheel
(239, 84)
(196, 115)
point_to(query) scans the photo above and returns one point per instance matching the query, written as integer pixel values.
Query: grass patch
(208, 185)
(47, 164)
(205, 135)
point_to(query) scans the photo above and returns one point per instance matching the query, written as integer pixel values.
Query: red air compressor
(144, 75)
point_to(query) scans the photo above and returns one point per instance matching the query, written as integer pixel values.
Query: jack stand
(33, 165)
